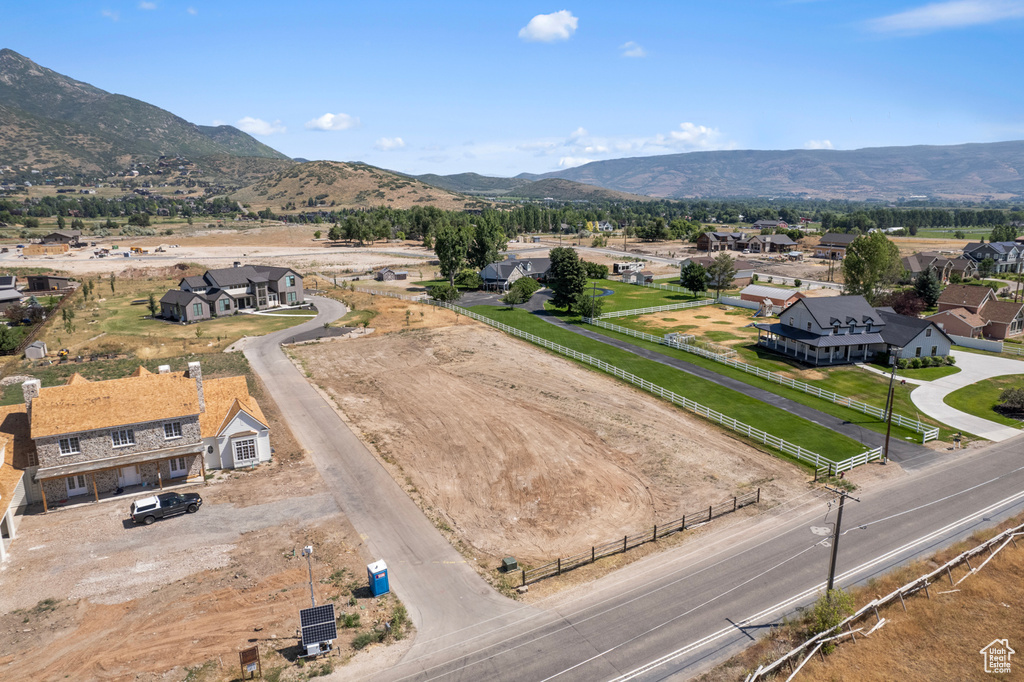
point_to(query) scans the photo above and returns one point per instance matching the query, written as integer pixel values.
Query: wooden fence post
(624, 539)
(682, 524)
(709, 513)
(759, 496)
(592, 554)
(734, 503)
(655, 532)
(559, 565)
(524, 577)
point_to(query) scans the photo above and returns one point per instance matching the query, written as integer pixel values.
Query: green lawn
(848, 381)
(981, 398)
(923, 374)
(631, 296)
(754, 412)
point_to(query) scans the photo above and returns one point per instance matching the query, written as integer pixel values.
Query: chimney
(164, 369)
(30, 389)
(195, 372)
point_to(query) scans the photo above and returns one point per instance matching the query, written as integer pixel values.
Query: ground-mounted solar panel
(318, 625)
(317, 634)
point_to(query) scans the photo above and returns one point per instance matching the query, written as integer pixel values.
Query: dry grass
(937, 638)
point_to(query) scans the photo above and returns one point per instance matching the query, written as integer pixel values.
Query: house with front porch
(833, 245)
(90, 438)
(226, 291)
(825, 331)
(1006, 256)
(500, 275)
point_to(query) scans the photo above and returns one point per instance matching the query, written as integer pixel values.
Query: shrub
(1012, 400)
(365, 639)
(902, 363)
(915, 363)
(469, 278)
(350, 620)
(444, 292)
(797, 282)
(828, 612)
(950, 360)
(595, 270)
(754, 278)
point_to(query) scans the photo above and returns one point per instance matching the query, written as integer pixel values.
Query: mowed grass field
(778, 422)
(980, 399)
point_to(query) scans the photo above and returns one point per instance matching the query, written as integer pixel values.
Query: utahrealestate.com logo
(997, 656)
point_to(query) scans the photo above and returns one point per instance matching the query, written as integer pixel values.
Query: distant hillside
(562, 190)
(332, 184)
(971, 171)
(51, 121)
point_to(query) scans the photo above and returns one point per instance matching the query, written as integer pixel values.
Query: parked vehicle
(148, 509)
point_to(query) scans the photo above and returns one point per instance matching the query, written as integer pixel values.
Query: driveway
(974, 367)
(446, 598)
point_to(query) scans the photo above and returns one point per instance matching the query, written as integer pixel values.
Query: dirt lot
(89, 596)
(516, 451)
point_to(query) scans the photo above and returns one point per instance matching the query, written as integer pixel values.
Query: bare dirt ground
(515, 451)
(220, 247)
(89, 596)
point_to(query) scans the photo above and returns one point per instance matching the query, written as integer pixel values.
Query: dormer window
(791, 321)
(808, 326)
(928, 332)
(835, 329)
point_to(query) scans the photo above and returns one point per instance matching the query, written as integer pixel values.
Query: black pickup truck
(148, 509)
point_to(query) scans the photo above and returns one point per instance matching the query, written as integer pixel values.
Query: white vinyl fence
(927, 431)
(751, 432)
(657, 309)
(393, 294)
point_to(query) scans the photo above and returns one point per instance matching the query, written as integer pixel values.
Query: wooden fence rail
(992, 546)
(927, 431)
(660, 530)
(753, 433)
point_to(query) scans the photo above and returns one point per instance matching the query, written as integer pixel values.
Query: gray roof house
(225, 291)
(915, 337)
(825, 331)
(499, 276)
(1006, 256)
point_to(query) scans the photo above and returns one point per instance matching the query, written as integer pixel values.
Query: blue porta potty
(377, 573)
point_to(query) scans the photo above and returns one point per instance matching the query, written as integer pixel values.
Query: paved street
(930, 396)
(447, 600)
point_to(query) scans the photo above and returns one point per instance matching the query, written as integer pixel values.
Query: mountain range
(49, 121)
(53, 122)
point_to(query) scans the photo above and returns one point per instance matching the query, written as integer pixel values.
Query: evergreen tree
(694, 277)
(928, 286)
(721, 272)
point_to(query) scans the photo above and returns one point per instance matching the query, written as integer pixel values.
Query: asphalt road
(668, 616)
(445, 597)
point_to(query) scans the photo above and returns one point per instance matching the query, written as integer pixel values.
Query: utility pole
(307, 552)
(893, 354)
(835, 536)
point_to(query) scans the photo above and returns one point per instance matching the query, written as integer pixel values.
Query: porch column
(202, 465)
(42, 488)
(95, 490)
(159, 476)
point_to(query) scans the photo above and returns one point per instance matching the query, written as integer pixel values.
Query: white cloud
(690, 136)
(547, 28)
(257, 126)
(217, 122)
(388, 144)
(192, 11)
(631, 49)
(334, 122)
(111, 14)
(945, 15)
(571, 161)
(818, 144)
(147, 5)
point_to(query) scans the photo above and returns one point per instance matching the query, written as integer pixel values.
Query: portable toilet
(377, 573)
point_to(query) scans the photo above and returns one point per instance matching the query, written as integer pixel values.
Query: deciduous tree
(872, 263)
(566, 277)
(451, 244)
(694, 277)
(721, 272)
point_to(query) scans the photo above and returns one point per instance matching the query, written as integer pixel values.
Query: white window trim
(172, 437)
(243, 441)
(130, 433)
(76, 451)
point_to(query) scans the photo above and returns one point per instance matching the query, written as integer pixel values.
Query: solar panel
(316, 615)
(318, 624)
(315, 634)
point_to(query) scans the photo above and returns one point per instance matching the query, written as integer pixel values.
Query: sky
(503, 88)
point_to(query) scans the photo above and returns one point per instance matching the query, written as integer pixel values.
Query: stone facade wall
(98, 444)
(106, 481)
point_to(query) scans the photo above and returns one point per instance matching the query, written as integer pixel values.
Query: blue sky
(501, 88)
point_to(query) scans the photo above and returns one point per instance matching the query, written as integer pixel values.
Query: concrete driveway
(974, 367)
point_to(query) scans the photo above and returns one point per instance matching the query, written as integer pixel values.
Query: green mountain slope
(971, 171)
(53, 121)
(551, 188)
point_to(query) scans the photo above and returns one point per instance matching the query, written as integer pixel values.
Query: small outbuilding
(36, 350)
(47, 283)
(389, 275)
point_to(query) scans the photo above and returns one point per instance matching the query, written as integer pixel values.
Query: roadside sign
(249, 659)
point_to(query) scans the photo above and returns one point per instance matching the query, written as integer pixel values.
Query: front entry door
(129, 475)
(76, 485)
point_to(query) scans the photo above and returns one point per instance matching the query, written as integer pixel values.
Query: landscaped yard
(754, 412)
(632, 296)
(981, 398)
(120, 321)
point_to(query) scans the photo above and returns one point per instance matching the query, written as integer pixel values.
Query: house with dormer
(1006, 256)
(225, 291)
(825, 331)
